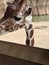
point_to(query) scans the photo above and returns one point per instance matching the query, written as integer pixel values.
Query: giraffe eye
(17, 18)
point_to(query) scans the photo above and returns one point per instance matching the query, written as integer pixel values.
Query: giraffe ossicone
(18, 17)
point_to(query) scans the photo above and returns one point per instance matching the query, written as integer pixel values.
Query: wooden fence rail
(31, 54)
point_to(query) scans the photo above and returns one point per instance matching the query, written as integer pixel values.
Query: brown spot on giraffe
(32, 41)
(31, 33)
(27, 42)
(30, 26)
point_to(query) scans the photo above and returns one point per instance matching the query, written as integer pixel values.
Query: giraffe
(18, 15)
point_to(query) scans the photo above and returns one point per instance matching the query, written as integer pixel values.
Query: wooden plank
(32, 54)
(8, 60)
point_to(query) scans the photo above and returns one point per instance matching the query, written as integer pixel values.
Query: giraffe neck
(30, 35)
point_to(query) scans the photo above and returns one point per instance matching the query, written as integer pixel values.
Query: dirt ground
(41, 35)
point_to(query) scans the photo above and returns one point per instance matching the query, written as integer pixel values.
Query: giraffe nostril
(0, 27)
(6, 28)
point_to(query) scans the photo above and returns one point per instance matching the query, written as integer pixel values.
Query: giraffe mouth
(7, 26)
(10, 25)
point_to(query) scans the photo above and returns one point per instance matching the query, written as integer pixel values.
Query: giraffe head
(12, 10)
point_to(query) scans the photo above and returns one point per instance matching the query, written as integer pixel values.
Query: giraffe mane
(16, 5)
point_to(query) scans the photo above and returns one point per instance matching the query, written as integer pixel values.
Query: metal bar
(33, 54)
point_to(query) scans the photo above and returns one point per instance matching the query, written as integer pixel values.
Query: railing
(9, 52)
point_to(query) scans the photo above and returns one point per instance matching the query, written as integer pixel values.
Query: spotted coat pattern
(23, 19)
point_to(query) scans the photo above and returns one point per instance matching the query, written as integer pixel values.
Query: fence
(40, 7)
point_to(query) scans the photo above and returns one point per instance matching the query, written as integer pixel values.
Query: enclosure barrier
(15, 54)
(40, 7)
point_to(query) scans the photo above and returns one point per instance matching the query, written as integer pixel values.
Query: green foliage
(41, 18)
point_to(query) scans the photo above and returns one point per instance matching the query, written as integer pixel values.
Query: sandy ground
(41, 35)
